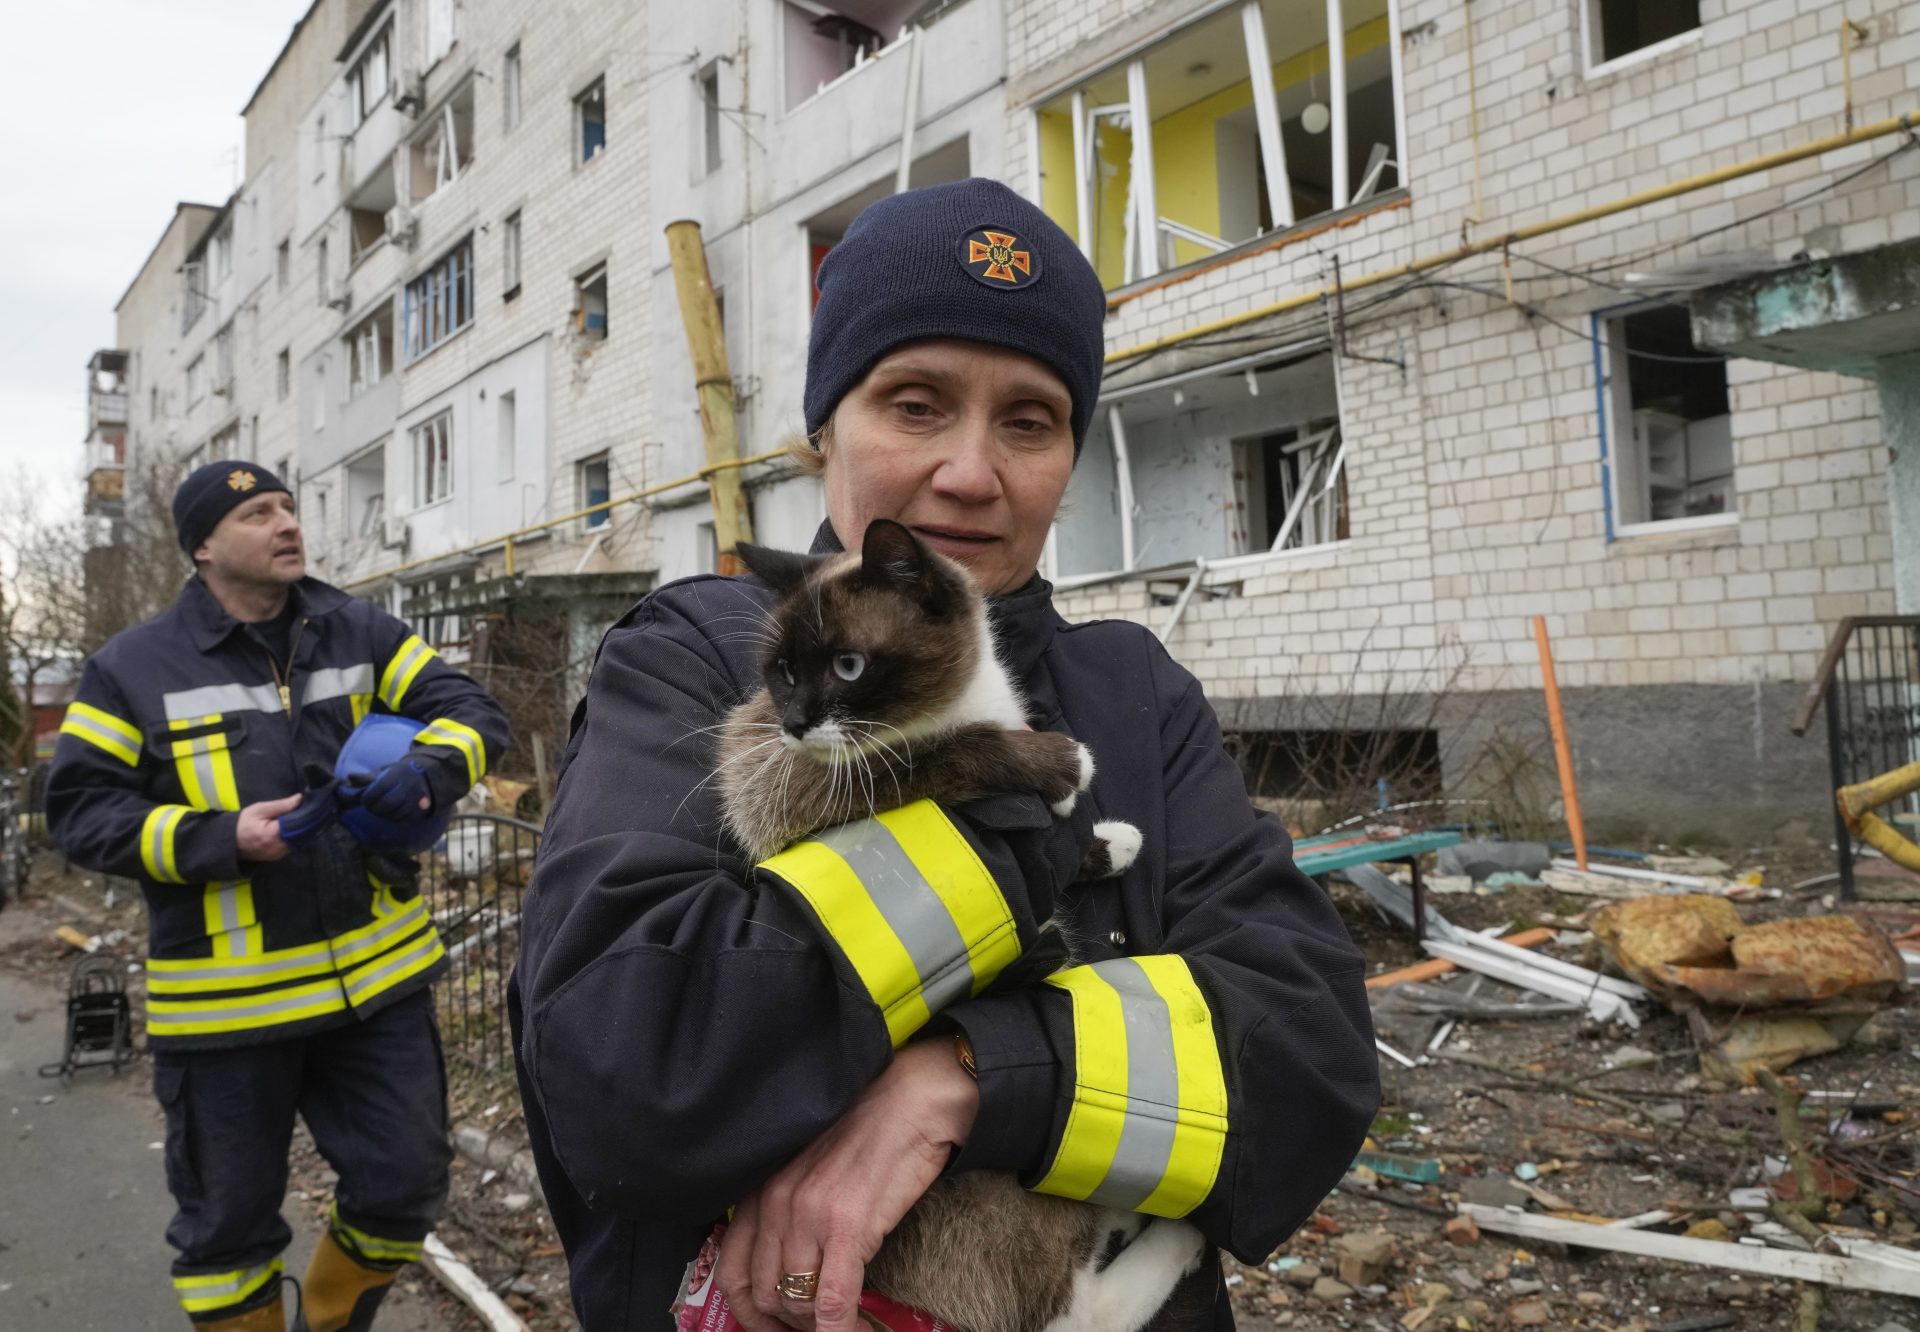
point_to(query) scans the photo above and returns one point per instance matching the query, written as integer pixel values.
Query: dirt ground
(1602, 1143)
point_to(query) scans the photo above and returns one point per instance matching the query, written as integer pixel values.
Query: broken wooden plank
(1693, 881)
(1828, 1269)
(1602, 1004)
(457, 1277)
(1429, 970)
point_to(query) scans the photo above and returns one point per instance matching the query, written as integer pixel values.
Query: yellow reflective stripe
(156, 842)
(393, 967)
(204, 764)
(372, 1246)
(199, 975)
(103, 731)
(203, 1017)
(916, 914)
(460, 736)
(362, 705)
(1147, 1128)
(950, 867)
(232, 923)
(219, 1290)
(406, 662)
(841, 902)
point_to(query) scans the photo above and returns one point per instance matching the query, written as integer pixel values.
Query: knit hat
(970, 260)
(211, 492)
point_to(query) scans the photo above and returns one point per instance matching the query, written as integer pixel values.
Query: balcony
(106, 488)
(106, 409)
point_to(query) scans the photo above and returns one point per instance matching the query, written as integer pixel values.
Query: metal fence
(1869, 684)
(15, 817)
(474, 890)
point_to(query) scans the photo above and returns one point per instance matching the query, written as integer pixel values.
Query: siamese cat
(881, 687)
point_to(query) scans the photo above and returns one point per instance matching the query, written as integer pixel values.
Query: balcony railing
(106, 408)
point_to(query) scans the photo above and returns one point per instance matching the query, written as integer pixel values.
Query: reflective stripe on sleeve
(911, 907)
(103, 731)
(407, 661)
(157, 842)
(459, 736)
(205, 1293)
(1148, 1124)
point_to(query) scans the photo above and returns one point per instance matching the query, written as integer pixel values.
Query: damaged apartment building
(1399, 349)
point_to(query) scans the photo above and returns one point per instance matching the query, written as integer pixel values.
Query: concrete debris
(1481, 860)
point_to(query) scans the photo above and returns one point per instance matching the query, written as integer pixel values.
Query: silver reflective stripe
(202, 750)
(372, 980)
(1153, 1091)
(162, 837)
(338, 682)
(227, 904)
(203, 1289)
(112, 740)
(209, 699)
(914, 912)
(228, 1009)
(306, 957)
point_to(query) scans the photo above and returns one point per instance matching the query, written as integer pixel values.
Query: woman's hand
(830, 1207)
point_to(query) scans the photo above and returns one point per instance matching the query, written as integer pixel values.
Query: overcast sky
(114, 111)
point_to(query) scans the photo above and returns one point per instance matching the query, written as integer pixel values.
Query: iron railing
(474, 890)
(15, 857)
(1869, 682)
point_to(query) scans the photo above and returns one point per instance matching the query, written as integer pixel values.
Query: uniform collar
(210, 624)
(1024, 620)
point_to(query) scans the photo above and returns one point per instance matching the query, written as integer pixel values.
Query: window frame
(426, 306)
(593, 523)
(359, 106)
(425, 439)
(596, 273)
(196, 380)
(362, 338)
(512, 89)
(1590, 40)
(512, 234)
(595, 89)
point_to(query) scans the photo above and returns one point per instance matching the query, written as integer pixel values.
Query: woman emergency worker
(696, 1033)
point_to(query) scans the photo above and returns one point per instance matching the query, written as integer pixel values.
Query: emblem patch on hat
(242, 480)
(996, 258)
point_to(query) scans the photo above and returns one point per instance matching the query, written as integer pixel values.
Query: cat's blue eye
(786, 670)
(848, 665)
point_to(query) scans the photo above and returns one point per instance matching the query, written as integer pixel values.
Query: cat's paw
(1064, 807)
(1116, 845)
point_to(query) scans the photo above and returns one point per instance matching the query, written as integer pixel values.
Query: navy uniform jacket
(687, 1022)
(180, 722)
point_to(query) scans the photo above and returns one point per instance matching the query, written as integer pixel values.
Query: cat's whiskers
(720, 768)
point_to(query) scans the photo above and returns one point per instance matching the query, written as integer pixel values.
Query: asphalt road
(83, 1198)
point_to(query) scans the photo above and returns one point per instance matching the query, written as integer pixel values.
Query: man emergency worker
(280, 977)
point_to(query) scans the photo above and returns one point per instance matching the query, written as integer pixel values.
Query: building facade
(1350, 442)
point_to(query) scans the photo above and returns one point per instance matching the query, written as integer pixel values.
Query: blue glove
(400, 792)
(318, 808)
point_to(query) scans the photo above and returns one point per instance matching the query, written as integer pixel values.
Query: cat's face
(866, 651)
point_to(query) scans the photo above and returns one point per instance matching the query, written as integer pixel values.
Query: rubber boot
(341, 1292)
(265, 1318)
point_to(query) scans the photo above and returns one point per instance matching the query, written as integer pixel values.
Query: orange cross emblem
(241, 480)
(1003, 262)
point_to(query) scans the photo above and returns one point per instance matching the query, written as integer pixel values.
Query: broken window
(433, 460)
(439, 303)
(370, 79)
(193, 293)
(366, 228)
(510, 255)
(1236, 125)
(219, 254)
(1620, 27)
(595, 488)
(225, 444)
(1669, 429)
(510, 88)
(283, 375)
(590, 303)
(444, 149)
(196, 380)
(824, 42)
(370, 350)
(367, 495)
(1209, 465)
(590, 119)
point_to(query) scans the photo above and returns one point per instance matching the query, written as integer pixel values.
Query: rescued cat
(882, 686)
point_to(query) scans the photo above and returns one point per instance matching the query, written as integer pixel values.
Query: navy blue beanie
(970, 260)
(211, 492)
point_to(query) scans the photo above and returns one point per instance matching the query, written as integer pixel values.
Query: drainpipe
(706, 339)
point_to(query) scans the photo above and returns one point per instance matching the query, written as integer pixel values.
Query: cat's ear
(892, 556)
(781, 570)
